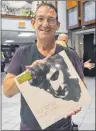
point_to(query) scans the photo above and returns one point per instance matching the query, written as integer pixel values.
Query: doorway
(89, 53)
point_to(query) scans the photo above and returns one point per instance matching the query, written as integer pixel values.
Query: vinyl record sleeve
(57, 90)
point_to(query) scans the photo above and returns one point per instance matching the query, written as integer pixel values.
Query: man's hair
(63, 34)
(49, 5)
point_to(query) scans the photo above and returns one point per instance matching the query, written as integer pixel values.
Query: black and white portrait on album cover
(55, 78)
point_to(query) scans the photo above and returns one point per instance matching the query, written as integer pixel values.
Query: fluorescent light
(9, 41)
(6, 44)
(25, 34)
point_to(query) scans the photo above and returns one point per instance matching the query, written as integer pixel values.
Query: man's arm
(9, 86)
(79, 67)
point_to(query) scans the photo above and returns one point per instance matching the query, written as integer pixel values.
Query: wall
(62, 16)
(12, 24)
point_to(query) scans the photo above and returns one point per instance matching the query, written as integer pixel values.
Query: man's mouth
(45, 30)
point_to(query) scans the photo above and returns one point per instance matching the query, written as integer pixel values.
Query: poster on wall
(89, 11)
(52, 89)
(72, 16)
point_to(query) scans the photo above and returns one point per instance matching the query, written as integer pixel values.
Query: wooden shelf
(13, 16)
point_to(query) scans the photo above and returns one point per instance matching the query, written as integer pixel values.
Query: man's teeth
(45, 30)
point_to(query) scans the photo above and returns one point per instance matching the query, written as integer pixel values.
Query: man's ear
(33, 22)
(58, 25)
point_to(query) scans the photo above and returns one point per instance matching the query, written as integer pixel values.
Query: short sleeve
(15, 64)
(79, 66)
(77, 63)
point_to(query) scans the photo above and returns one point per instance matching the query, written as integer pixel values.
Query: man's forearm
(9, 87)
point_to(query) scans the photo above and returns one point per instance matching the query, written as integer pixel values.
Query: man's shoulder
(72, 48)
(73, 52)
(70, 51)
(59, 47)
(27, 48)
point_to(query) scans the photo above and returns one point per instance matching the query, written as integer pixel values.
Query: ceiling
(13, 35)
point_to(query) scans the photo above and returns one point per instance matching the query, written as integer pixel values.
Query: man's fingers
(33, 64)
(92, 65)
(46, 58)
(69, 114)
(78, 109)
(88, 61)
(37, 62)
(27, 67)
(73, 112)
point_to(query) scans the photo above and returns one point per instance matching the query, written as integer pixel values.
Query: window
(72, 16)
(89, 11)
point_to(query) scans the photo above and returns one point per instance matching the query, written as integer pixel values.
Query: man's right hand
(37, 62)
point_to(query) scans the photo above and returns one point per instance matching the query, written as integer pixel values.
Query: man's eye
(55, 76)
(51, 20)
(40, 19)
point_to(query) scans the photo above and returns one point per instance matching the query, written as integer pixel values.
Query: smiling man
(45, 24)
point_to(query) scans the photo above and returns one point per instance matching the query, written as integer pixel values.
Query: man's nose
(45, 23)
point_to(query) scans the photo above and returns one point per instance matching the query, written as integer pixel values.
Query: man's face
(56, 79)
(63, 38)
(45, 22)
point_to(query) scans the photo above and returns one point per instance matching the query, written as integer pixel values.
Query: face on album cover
(55, 78)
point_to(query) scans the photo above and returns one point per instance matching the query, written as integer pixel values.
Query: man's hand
(89, 65)
(37, 62)
(73, 112)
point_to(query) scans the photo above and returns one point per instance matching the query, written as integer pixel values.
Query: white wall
(34, 6)
(62, 16)
(12, 24)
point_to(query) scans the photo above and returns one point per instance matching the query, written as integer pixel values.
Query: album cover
(52, 89)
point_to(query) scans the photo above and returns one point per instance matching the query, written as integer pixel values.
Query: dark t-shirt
(25, 56)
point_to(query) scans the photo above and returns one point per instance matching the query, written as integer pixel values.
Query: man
(63, 40)
(45, 23)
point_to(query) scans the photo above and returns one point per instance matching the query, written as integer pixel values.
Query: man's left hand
(73, 112)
